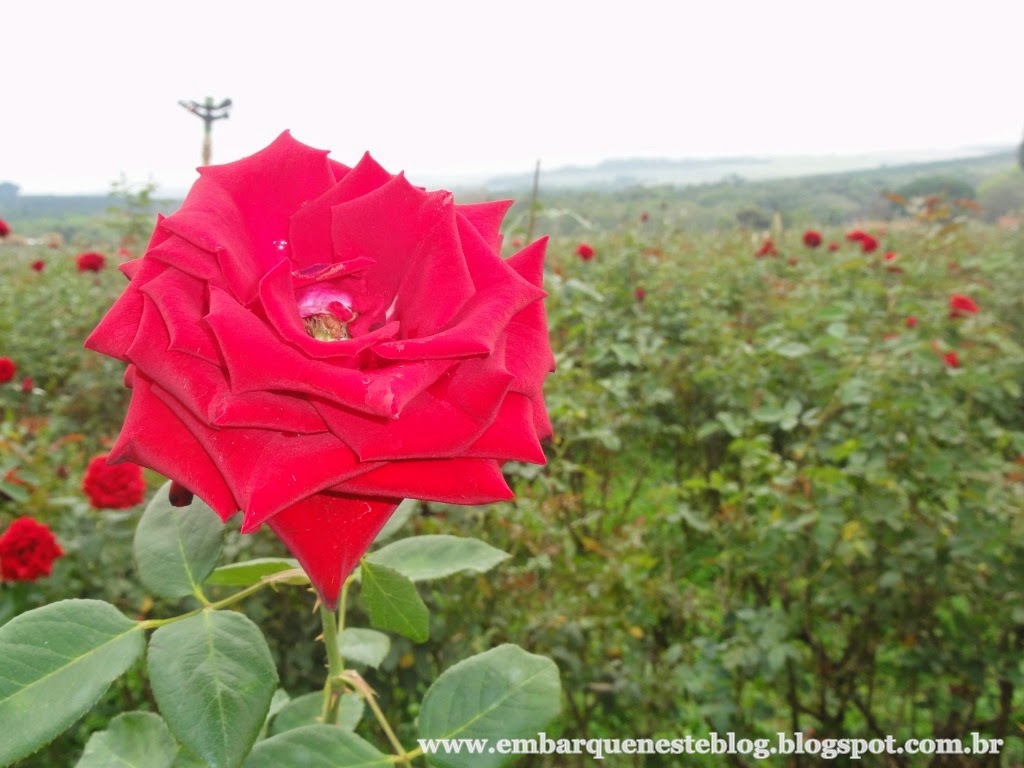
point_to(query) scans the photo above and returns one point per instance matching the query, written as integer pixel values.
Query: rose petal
(309, 232)
(450, 481)
(486, 218)
(328, 534)
(154, 437)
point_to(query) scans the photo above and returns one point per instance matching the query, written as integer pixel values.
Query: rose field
(783, 489)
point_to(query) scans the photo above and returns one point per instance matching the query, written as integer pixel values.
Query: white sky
(448, 89)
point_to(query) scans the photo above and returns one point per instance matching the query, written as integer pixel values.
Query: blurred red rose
(767, 249)
(911, 321)
(890, 255)
(833, 246)
(38, 265)
(868, 244)
(812, 239)
(7, 369)
(640, 294)
(855, 235)
(312, 343)
(90, 262)
(961, 306)
(5, 229)
(27, 550)
(117, 486)
(644, 217)
(952, 359)
(792, 261)
(585, 251)
(27, 385)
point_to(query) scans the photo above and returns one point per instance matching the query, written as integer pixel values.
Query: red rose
(952, 359)
(767, 249)
(39, 265)
(833, 247)
(27, 550)
(117, 486)
(90, 262)
(585, 251)
(855, 235)
(640, 294)
(311, 343)
(868, 244)
(961, 306)
(812, 239)
(27, 385)
(645, 217)
(124, 253)
(890, 255)
(911, 321)
(5, 229)
(7, 369)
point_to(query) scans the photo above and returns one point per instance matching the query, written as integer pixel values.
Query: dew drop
(281, 246)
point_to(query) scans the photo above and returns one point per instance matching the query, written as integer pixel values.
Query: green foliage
(176, 549)
(504, 693)
(213, 679)
(58, 660)
(132, 740)
(424, 558)
(393, 602)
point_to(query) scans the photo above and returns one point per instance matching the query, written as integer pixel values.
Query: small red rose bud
(27, 385)
(179, 495)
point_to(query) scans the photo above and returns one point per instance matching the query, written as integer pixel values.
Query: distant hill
(646, 172)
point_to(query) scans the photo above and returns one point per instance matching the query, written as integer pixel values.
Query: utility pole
(208, 112)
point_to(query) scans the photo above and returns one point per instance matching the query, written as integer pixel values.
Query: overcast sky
(449, 89)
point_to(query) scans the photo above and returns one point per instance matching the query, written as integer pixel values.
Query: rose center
(326, 327)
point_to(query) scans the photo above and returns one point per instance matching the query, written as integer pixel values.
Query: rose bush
(311, 343)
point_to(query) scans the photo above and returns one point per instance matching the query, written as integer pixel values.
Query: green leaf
(397, 520)
(365, 646)
(176, 547)
(132, 740)
(278, 701)
(422, 558)
(213, 679)
(393, 602)
(250, 572)
(504, 693)
(316, 746)
(306, 709)
(57, 662)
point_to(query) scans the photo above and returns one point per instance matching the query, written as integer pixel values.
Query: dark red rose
(961, 306)
(27, 385)
(911, 321)
(312, 343)
(951, 359)
(833, 247)
(90, 262)
(117, 486)
(767, 249)
(812, 239)
(585, 251)
(855, 235)
(5, 229)
(868, 244)
(38, 265)
(27, 550)
(7, 369)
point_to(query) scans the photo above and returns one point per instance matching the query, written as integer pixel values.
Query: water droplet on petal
(282, 247)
